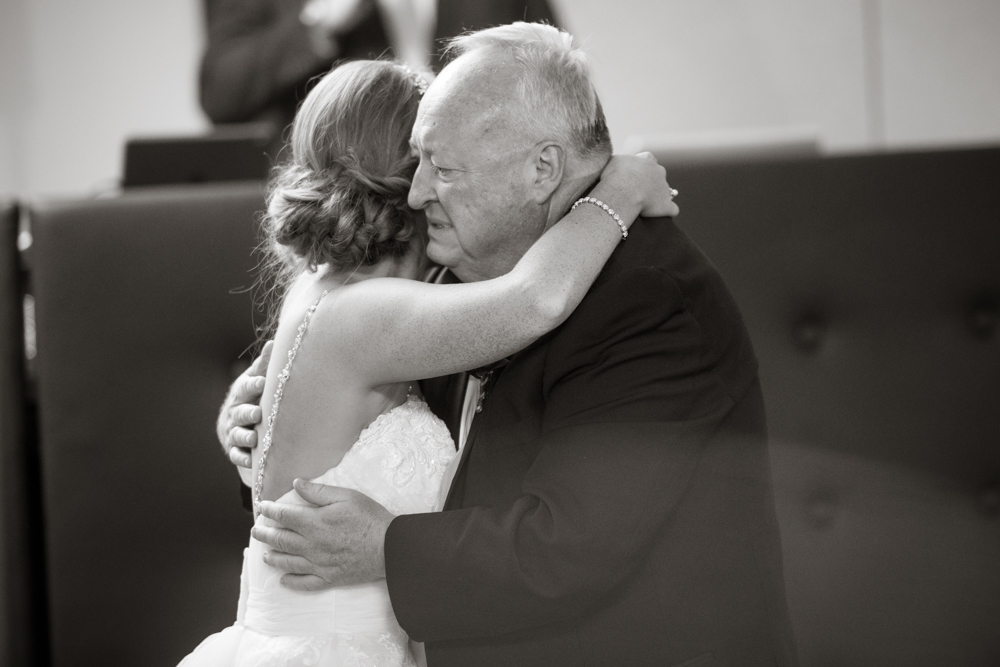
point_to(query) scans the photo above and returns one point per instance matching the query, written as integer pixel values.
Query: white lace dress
(398, 460)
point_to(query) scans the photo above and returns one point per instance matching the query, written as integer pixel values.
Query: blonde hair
(555, 93)
(340, 200)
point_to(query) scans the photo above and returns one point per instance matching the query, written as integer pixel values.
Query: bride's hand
(641, 180)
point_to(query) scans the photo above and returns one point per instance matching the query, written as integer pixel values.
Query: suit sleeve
(631, 397)
(257, 51)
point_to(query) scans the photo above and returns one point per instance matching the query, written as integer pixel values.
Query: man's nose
(421, 193)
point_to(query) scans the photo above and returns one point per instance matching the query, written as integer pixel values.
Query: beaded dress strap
(282, 378)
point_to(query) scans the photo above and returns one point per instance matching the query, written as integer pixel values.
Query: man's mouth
(437, 224)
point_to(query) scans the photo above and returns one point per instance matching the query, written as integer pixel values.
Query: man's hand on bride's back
(645, 181)
(338, 539)
(241, 411)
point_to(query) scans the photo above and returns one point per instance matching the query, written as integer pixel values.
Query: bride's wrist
(624, 199)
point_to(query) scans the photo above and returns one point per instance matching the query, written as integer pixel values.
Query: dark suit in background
(614, 505)
(259, 56)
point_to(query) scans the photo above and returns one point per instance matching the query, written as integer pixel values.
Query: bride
(357, 328)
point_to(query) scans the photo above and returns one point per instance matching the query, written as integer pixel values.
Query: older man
(613, 505)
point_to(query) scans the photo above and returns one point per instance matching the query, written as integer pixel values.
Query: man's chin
(451, 263)
(435, 254)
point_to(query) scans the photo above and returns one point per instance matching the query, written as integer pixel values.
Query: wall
(942, 71)
(79, 76)
(862, 73)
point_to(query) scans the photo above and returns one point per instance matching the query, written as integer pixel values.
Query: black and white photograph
(500, 333)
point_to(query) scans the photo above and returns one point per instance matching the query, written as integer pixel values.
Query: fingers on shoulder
(240, 456)
(246, 414)
(259, 365)
(244, 438)
(247, 389)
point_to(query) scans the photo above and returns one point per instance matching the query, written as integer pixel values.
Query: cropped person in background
(262, 53)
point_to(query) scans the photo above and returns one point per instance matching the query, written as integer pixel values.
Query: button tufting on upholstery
(983, 317)
(989, 500)
(821, 508)
(808, 332)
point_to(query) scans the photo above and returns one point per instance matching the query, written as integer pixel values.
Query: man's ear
(550, 164)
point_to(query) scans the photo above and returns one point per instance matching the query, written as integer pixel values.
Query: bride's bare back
(325, 403)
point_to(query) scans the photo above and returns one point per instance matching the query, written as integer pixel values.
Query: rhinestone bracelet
(607, 209)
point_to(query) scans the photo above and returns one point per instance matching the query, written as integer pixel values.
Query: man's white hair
(557, 97)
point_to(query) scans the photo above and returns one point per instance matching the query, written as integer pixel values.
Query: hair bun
(344, 216)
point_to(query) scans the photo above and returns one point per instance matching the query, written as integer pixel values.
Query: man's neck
(573, 187)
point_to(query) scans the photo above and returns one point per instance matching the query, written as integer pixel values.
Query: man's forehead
(425, 128)
(473, 82)
(447, 119)
(459, 132)
(465, 106)
(463, 112)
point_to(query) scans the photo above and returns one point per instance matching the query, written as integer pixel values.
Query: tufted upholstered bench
(142, 310)
(871, 288)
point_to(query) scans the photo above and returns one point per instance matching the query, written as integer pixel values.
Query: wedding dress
(399, 460)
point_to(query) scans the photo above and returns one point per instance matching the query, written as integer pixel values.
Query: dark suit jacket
(259, 60)
(614, 505)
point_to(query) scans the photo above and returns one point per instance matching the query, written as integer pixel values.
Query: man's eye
(442, 171)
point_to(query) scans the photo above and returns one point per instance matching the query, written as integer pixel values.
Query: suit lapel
(445, 394)
(477, 424)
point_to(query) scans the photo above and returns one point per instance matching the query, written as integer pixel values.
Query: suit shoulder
(661, 293)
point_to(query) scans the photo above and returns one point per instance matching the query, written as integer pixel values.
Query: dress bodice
(399, 461)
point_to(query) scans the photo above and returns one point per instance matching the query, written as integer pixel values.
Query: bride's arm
(405, 329)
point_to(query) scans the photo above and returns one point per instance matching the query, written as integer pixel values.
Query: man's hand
(338, 541)
(241, 411)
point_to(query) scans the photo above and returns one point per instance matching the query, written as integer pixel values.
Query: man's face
(474, 177)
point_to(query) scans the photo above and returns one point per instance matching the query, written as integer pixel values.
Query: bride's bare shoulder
(368, 296)
(356, 316)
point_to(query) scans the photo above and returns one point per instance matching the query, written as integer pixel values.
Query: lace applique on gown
(398, 460)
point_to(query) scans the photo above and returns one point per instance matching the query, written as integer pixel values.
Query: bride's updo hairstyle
(340, 200)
